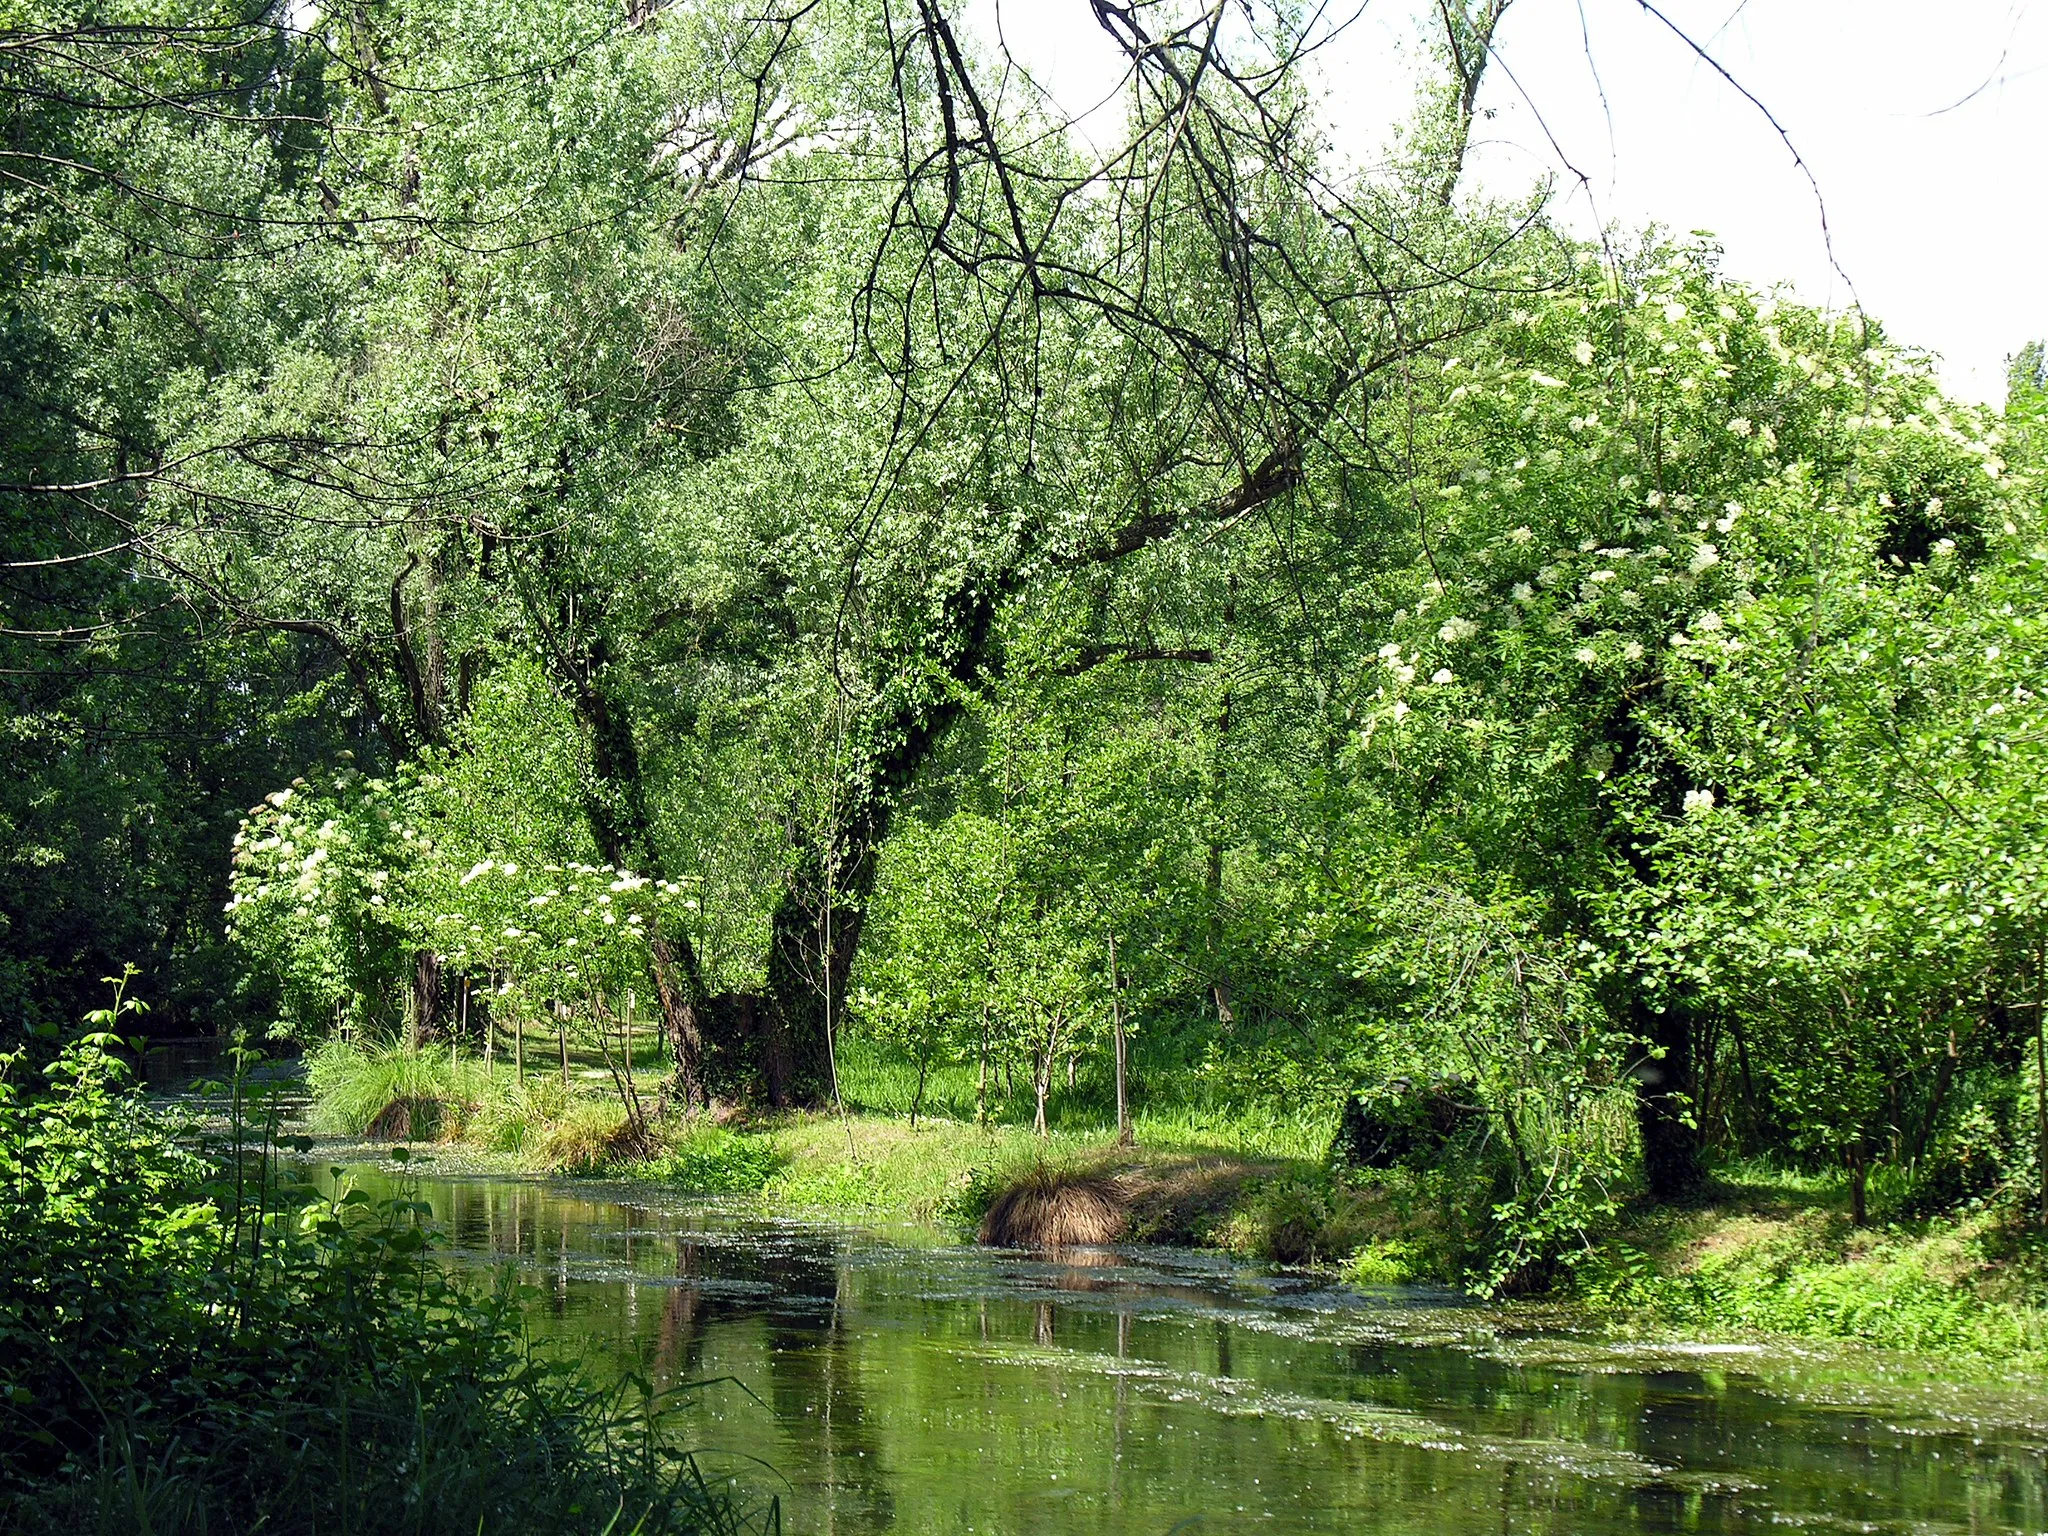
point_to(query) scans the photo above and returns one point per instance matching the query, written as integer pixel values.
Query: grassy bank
(1769, 1252)
(1773, 1252)
(870, 1163)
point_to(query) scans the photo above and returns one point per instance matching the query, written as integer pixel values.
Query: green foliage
(1382, 1261)
(1900, 1292)
(714, 1161)
(965, 601)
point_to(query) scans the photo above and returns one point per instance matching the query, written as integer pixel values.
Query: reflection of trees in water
(811, 1358)
(818, 1329)
(792, 1289)
(679, 1334)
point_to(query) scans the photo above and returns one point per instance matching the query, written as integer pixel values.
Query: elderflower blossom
(1582, 351)
(1451, 631)
(1704, 559)
(1698, 801)
(1441, 676)
(1585, 655)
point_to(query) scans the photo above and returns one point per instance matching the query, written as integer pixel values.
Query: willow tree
(1059, 362)
(746, 368)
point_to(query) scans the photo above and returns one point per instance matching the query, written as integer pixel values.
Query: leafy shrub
(716, 1161)
(1382, 1261)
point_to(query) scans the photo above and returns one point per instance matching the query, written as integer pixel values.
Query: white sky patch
(1924, 124)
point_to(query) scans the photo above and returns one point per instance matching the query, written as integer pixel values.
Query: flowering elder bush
(1868, 891)
(1579, 534)
(338, 883)
(318, 895)
(1603, 490)
(556, 931)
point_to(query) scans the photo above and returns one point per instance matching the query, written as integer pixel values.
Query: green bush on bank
(187, 1345)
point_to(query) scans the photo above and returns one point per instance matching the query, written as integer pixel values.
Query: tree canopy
(746, 505)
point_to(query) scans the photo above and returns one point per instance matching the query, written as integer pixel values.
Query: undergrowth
(1780, 1257)
(190, 1344)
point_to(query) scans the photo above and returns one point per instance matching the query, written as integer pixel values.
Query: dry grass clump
(406, 1119)
(583, 1136)
(1057, 1208)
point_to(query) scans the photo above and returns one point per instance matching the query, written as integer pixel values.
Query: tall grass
(539, 1121)
(351, 1084)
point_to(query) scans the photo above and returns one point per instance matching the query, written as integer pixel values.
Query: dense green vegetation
(194, 1342)
(589, 567)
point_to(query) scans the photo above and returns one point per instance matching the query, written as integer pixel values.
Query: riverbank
(1767, 1253)
(1766, 1256)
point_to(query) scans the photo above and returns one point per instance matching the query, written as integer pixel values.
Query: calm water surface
(906, 1383)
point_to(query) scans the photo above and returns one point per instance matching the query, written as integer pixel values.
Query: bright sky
(1925, 123)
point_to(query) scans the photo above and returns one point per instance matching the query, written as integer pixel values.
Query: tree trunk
(1664, 1092)
(1042, 1068)
(2041, 1076)
(680, 994)
(426, 995)
(1468, 42)
(813, 935)
(1212, 884)
(1124, 1138)
(981, 1076)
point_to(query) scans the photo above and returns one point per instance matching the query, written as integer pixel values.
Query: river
(898, 1381)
